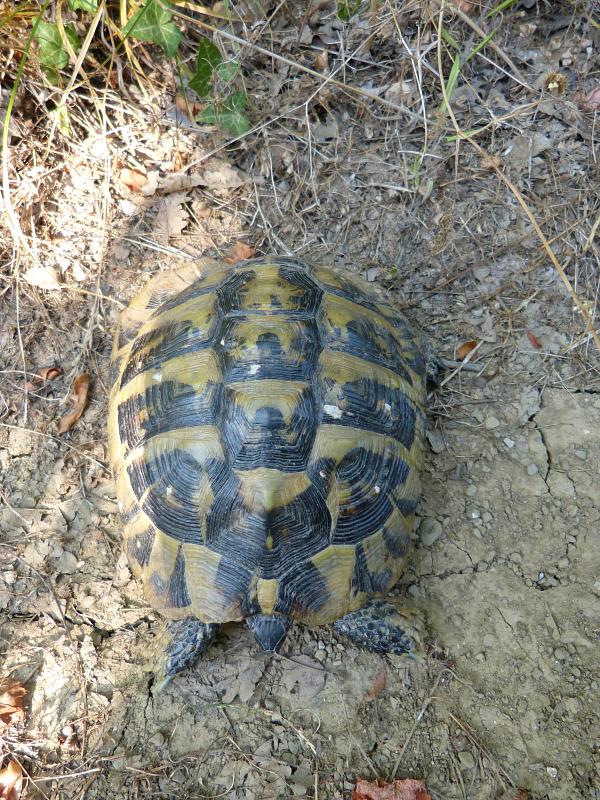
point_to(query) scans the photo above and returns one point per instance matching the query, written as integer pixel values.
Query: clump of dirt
(506, 564)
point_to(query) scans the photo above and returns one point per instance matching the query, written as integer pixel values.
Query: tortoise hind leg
(179, 646)
(383, 627)
(434, 365)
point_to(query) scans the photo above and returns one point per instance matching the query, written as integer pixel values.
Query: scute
(266, 425)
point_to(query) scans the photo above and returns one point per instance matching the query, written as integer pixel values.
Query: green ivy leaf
(91, 6)
(236, 101)
(208, 59)
(208, 115)
(227, 71)
(153, 23)
(347, 9)
(227, 115)
(53, 55)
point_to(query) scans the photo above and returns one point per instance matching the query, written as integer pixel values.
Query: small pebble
(532, 469)
(430, 531)
(471, 490)
(66, 563)
(491, 423)
(509, 443)
(321, 655)
(560, 654)
(552, 772)
(467, 760)
(436, 441)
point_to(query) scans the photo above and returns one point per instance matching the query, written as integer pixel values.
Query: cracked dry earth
(506, 567)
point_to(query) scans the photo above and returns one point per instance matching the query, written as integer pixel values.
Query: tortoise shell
(266, 428)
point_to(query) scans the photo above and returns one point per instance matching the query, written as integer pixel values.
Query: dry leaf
(50, 373)
(44, 374)
(464, 5)
(591, 102)
(11, 703)
(239, 252)
(408, 789)
(179, 181)
(464, 349)
(172, 217)
(188, 107)
(221, 175)
(218, 175)
(377, 688)
(11, 781)
(178, 161)
(133, 179)
(43, 277)
(322, 60)
(534, 340)
(80, 394)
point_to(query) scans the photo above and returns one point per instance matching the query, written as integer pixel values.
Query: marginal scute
(266, 427)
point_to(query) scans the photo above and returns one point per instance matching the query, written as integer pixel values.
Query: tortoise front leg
(383, 627)
(179, 646)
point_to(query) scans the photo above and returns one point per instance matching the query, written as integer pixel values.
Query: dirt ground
(507, 554)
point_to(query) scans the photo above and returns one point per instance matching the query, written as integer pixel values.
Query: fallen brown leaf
(42, 277)
(464, 5)
(407, 789)
(43, 375)
(50, 373)
(377, 688)
(591, 101)
(534, 340)
(172, 217)
(463, 350)
(80, 394)
(322, 60)
(11, 702)
(11, 781)
(188, 107)
(239, 252)
(133, 179)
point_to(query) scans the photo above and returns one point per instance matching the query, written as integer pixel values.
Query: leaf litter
(79, 397)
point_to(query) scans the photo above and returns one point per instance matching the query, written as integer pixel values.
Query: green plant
(346, 9)
(226, 109)
(216, 80)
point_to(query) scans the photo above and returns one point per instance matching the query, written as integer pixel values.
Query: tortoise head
(269, 629)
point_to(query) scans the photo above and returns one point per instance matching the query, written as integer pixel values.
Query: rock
(560, 485)
(20, 442)
(66, 563)
(436, 441)
(430, 531)
(467, 760)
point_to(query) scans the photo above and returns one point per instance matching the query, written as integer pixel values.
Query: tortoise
(266, 425)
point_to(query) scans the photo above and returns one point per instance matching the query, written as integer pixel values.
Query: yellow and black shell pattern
(266, 430)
